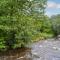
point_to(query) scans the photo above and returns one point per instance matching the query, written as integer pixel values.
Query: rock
(35, 55)
(20, 58)
(40, 46)
(55, 48)
(58, 37)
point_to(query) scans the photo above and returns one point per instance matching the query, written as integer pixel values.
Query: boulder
(58, 37)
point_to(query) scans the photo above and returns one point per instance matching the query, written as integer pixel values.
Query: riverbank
(48, 49)
(16, 54)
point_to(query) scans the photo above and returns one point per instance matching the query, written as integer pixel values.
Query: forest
(24, 21)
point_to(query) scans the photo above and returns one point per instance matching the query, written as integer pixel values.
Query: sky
(53, 7)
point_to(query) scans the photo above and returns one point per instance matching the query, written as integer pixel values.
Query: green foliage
(56, 24)
(22, 21)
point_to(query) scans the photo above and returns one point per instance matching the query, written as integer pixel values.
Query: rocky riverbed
(43, 50)
(46, 50)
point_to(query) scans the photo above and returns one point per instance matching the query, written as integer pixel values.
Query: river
(43, 50)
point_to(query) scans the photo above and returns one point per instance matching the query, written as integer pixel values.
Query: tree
(56, 24)
(17, 23)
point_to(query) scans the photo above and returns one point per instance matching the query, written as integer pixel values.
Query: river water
(43, 50)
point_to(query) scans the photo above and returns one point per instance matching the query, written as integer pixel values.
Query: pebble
(40, 46)
(55, 48)
(20, 58)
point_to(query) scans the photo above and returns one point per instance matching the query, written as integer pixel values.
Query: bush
(20, 23)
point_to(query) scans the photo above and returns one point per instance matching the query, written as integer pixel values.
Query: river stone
(58, 37)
